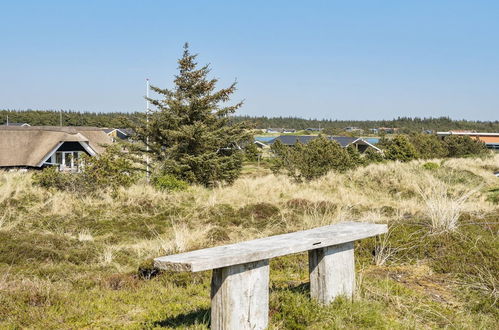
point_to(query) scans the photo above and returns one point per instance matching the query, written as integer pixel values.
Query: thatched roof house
(39, 146)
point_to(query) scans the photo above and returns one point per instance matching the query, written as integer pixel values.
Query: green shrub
(51, 177)
(355, 158)
(464, 146)
(493, 195)
(259, 210)
(428, 146)
(400, 148)
(169, 182)
(430, 166)
(307, 162)
(224, 215)
(251, 152)
(372, 156)
(259, 214)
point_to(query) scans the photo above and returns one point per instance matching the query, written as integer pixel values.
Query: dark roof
(127, 131)
(292, 139)
(344, 141)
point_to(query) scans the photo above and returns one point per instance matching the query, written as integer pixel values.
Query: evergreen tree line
(127, 119)
(405, 124)
(70, 118)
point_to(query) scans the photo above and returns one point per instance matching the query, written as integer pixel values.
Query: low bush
(259, 214)
(400, 148)
(169, 182)
(464, 146)
(373, 156)
(307, 162)
(430, 166)
(428, 146)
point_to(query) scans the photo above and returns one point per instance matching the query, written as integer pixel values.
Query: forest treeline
(123, 119)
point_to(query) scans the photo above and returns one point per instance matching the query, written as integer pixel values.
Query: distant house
(387, 130)
(280, 130)
(36, 147)
(353, 129)
(491, 140)
(344, 141)
(119, 133)
(16, 124)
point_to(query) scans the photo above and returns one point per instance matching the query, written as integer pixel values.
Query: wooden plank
(240, 296)
(269, 247)
(332, 272)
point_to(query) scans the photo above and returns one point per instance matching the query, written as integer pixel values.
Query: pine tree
(400, 148)
(190, 134)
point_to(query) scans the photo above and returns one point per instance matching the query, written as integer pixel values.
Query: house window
(68, 159)
(58, 158)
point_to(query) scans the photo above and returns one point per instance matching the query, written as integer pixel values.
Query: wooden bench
(240, 279)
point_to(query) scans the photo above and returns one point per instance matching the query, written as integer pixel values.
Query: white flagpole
(147, 121)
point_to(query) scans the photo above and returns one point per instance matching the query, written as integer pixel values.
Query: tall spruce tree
(190, 134)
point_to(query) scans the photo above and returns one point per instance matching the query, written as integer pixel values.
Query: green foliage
(400, 148)
(430, 166)
(372, 156)
(463, 146)
(429, 146)
(51, 177)
(355, 157)
(109, 170)
(251, 152)
(311, 161)
(169, 182)
(258, 215)
(493, 195)
(190, 134)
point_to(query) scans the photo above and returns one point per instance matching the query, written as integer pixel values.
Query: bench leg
(240, 296)
(332, 272)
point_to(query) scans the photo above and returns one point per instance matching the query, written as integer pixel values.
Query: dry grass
(74, 242)
(442, 207)
(377, 193)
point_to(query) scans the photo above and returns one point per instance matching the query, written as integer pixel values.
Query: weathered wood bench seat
(240, 280)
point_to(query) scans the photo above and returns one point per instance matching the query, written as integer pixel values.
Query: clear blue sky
(312, 59)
